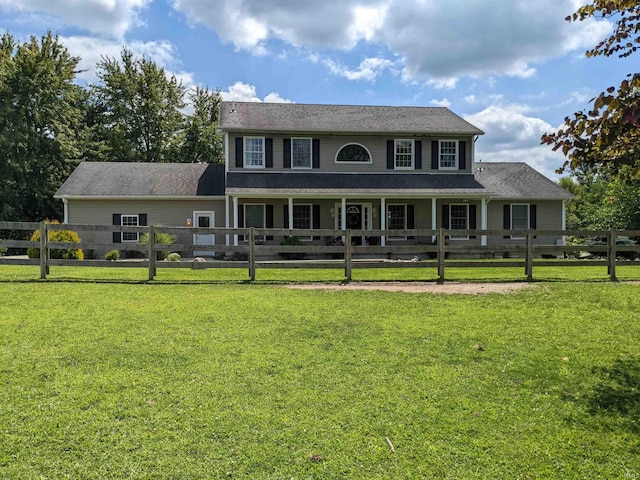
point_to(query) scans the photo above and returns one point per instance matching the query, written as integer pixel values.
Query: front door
(354, 221)
(203, 220)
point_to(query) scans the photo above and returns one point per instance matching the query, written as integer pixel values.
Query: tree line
(134, 112)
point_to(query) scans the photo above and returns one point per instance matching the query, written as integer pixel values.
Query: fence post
(347, 255)
(44, 250)
(529, 267)
(441, 255)
(152, 252)
(611, 254)
(252, 254)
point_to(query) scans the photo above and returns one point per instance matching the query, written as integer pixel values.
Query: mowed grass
(129, 379)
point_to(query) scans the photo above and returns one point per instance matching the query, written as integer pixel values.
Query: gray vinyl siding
(331, 144)
(548, 216)
(170, 213)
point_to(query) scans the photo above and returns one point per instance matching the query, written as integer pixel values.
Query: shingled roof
(517, 180)
(131, 179)
(298, 117)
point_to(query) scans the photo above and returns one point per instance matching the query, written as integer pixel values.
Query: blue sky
(514, 68)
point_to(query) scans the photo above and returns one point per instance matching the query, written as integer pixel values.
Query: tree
(40, 107)
(139, 110)
(607, 137)
(202, 143)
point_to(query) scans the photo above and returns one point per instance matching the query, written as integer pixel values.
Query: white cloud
(243, 92)
(439, 41)
(369, 69)
(441, 103)
(512, 136)
(109, 18)
(274, 97)
(92, 50)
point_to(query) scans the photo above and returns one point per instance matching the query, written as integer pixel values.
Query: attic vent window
(353, 153)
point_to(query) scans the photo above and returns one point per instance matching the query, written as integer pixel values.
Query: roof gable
(298, 117)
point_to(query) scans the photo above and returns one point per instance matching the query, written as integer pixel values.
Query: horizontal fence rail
(256, 248)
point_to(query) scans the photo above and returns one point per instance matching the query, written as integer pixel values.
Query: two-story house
(326, 166)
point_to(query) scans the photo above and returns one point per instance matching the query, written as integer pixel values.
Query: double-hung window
(397, 219)
(459, 220)
(448, 155)
(301, 153)
(404, 154)
(130, 221)
(519, 218)
(254, 152)
(303, 218)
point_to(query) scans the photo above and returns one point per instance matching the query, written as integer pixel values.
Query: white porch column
(343, 218)
(235, 219)
(65, 203)
(483, 221)
(564, 220)
(226, 217)
(290, 213)
(434, 218)
(383, 220)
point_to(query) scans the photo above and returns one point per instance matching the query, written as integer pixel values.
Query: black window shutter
(239, 152)
(435, 154)
(418, 155)
(286, 216)
(506, 219)
(445, 216)
(316, 218)
(142, 219)
(411, 220)
(462, 155)
(316, 152)
(268, 152)
(117, 220)
(390, 155)
(533, 216)
(268, 221)
(286, 151)
(472, 219)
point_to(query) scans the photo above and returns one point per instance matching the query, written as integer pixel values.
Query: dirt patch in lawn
(422, 287)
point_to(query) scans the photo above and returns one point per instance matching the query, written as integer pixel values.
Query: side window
(130, 221)
(254, 152)
(448, 155)
(403, 154)
(301, 153)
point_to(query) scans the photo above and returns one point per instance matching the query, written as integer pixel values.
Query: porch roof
(316, 183)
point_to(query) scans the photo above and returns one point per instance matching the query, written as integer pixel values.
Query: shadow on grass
(617, 392)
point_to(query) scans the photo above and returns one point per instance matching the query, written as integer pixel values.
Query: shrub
(161, 238)
(3, 251)
(173, 257)
(112, 255)
(293, 241)
(57, 236)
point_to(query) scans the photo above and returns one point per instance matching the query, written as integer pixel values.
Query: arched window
(353, 153)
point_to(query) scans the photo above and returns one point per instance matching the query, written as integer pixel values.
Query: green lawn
(215, 378)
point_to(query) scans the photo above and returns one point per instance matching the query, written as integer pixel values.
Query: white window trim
(457, 142)
(305, 239)
(244, 152)
(137, 234)
(513, 237)
(459, 237)
(396, 237)
(395, 154)
(353, 163)
(310, 153)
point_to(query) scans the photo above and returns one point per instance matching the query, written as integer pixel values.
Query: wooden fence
(252, 253)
